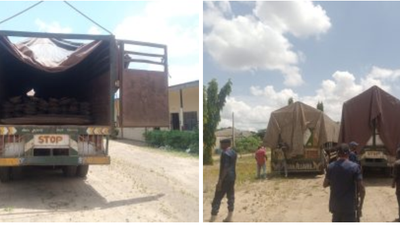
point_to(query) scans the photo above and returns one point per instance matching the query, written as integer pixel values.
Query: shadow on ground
(48, 189)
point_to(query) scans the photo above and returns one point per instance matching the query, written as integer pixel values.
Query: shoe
(229, 217)
(213, 218)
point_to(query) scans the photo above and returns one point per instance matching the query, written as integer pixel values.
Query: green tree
(320, 106)
(290, 100)
(204, 103)
(213, 104)
(248, 144)
(261, 133)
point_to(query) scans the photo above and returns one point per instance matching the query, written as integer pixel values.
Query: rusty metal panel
(144, 99)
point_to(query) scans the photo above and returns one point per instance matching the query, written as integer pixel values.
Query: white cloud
(169, 9)
(300, 18)
(169, 23)
(183, 73)
(332, 92)
(163, 22)
(273, 97)
(246, 116)
(255, 116)
(53, 27)
(256, 41)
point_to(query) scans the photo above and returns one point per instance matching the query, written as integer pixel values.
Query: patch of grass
(174, 152)
(245, 171)
(179, 153)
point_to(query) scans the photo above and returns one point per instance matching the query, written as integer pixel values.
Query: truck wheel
(69, 171)
(82, 170)
(17, 173)
(5, 173)
(389, 172)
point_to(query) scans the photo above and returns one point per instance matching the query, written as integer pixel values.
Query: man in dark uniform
(353, 154)
(345, 180)
(226, 181)
(396, 179)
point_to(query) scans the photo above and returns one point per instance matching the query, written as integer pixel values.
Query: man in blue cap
(353, 154)
(345, 181)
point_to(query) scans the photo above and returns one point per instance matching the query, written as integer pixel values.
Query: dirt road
(141, 184)
(299, 198)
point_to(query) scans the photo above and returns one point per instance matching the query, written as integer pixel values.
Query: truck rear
(297, 136)
(58, 99)
(371, 120)
(375, 154)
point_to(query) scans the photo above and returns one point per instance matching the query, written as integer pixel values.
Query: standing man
(353, 154)
(226, 181)
(283, 148)
(345, 180)
(261, 158)
(396, 179)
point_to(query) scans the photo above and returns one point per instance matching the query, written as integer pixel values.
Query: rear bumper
(55, 161)
(299, 165)
(377, 163)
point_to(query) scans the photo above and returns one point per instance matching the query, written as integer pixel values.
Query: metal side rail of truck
(111, 83)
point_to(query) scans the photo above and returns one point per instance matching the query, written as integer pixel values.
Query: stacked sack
(28, 106)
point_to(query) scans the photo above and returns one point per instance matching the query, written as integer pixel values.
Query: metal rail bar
(142, 43)
(54, 35)
(145, 54)
(144, 61)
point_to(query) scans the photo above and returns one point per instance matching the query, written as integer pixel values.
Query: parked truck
(371, 120)
(297, 135)
(57, 95)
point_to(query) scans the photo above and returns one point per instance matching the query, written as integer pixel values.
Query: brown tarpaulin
(50, 55)
(358, 115)
(292, 122)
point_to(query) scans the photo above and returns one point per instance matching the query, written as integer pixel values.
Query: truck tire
(82, 171)
(5, 173)
(17, 173)
(388, 171)
(69, 171)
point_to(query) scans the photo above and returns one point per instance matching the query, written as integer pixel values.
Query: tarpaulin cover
(291, 123)
(48, 54)
(52, 67)
(359, 113)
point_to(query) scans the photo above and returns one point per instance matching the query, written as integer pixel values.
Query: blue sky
(311, 51)
(174, 23)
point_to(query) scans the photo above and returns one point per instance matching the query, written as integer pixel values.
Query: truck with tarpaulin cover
(57, 95)
(297, 135)
(372, 120)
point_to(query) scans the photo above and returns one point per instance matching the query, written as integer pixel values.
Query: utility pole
(233, 129)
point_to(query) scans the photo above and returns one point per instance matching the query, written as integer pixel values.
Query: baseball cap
(353, 143)
(225, 141)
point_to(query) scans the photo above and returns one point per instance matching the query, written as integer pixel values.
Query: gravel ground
(141, 185)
